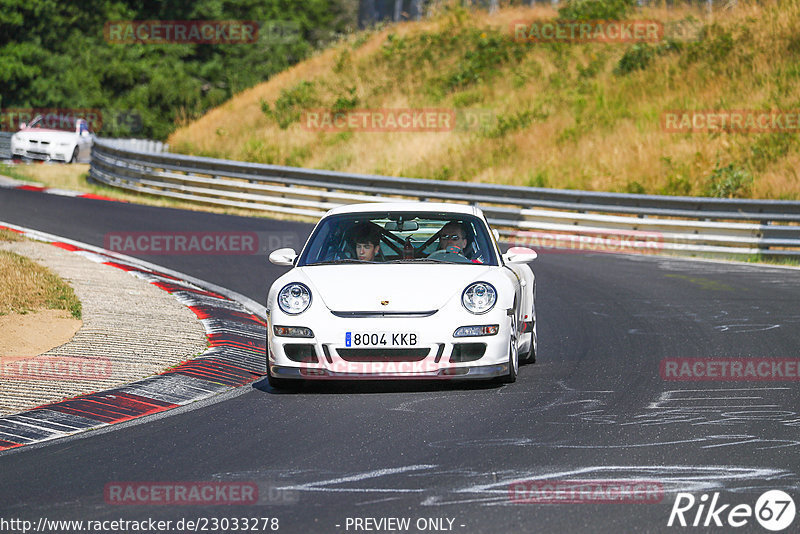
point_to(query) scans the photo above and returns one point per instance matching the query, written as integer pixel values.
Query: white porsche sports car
(401, 290)
(67, 140)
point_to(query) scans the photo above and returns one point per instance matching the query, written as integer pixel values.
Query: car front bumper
(435, 356)
(41, 156)
(461, 373)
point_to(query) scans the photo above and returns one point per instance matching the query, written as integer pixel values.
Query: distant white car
(433, 298)
(70, 142)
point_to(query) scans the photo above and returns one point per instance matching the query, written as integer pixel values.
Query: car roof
(437, 207)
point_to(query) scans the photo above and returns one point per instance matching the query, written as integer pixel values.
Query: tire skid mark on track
(446, 486)
(234, 358)
(720, 410)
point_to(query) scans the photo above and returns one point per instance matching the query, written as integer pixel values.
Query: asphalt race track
(594, 407)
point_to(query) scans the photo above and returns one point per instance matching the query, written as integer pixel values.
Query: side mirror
(23, 125)
(520, 255)
(283, 256)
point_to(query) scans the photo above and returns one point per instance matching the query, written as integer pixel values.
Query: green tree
(54, 54)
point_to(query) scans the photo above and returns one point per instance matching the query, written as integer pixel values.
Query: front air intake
(383, 355)
(300, 352)
(467, 352)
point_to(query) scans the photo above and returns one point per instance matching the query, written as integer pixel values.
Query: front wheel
(280, 383)
(513, 355)
(74, 158)
(530, 356)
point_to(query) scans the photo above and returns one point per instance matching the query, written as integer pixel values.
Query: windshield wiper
(343, 260)
(420, 260)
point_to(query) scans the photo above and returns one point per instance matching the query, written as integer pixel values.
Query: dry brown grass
(57, 175)
(8, 235)
(614, 143)
(26, 286)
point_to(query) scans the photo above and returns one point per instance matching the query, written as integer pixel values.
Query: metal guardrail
(141, 145)
(5, 145)
(529, 216)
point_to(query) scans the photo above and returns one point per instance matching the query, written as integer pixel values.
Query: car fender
(526, 281)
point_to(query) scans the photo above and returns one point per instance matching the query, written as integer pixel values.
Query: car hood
(414, 287)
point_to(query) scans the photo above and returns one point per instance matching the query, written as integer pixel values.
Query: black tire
(511, 377)
(74, 158)
(530, 356)
(280, 383)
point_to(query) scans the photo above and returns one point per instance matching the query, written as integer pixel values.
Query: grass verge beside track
(26, 286)
(74, 177)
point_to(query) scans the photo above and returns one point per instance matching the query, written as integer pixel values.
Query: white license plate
(380, 339)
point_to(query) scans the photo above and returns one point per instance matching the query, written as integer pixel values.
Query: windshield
(65, 123)
(400, 238)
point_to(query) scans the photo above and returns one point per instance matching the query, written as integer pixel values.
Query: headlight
(294, 298)
(292, 331)
(475, 331)
(479, 297)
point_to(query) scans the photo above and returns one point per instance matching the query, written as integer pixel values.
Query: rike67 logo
(774, 510)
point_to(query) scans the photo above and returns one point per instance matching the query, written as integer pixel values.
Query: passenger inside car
(367, 240)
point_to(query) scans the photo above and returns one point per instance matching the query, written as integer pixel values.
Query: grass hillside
(565, 115)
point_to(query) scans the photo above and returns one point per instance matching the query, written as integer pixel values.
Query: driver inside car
(453, 234)
(453, 239)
